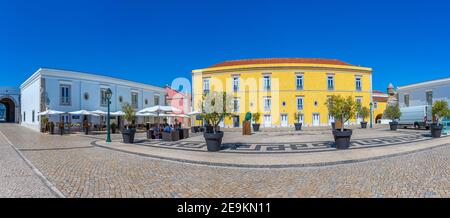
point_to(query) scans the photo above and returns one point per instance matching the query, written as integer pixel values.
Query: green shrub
(392, 112)
(364, 112)
(440, 110)
(256, 116)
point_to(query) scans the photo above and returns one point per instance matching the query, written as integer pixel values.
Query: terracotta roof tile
(281, 61)
(380, 99)
(378, 92)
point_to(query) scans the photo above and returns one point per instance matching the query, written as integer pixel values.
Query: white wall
(417, 95)
(30, 100)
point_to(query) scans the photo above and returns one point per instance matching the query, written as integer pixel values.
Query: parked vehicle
(416, 116)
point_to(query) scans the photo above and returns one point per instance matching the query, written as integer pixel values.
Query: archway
(378, 117)
(7, 110)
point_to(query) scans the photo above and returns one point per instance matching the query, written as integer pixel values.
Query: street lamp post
(371, 114)
(108, 126)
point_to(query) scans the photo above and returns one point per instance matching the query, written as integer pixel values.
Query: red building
(181, 101)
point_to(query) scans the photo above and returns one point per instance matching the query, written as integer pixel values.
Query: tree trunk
(342, 124)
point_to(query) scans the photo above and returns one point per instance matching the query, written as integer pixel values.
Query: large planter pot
(298, 126)
(363, 125)
(342, 139)
(128, 135)
(436, 130)
(256, 127)
(393, 125)
(213, 141)
(209, 129)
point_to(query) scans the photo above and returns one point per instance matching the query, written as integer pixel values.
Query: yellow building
(279, 87)
(380, 102)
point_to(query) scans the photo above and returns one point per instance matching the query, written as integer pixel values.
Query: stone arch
(378, 117)
(10, 105)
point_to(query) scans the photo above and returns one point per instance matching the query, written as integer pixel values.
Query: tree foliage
(130, 113)
(342, 108)
(297, 115)
(256, 116)
(364, 112)
(392, 112)
(215, 107)
(440, 110)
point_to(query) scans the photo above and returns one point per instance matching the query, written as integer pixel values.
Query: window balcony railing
(330, 88)
(64, 101)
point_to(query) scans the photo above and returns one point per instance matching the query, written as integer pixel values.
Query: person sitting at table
(167, 129)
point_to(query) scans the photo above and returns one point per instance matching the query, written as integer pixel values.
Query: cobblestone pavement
(17, 179)
(286, 147)
(80, 170)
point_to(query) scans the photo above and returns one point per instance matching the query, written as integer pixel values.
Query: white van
(416, 116)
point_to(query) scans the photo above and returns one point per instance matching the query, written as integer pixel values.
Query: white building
(424, 93)
(69, 91)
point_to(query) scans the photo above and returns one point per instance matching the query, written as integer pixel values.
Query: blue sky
(156, 41)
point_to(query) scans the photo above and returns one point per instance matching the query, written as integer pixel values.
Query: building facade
(9, 104)
(424, 93)
(180, 101)
(277, 88)
(380, 102)
(69, 91)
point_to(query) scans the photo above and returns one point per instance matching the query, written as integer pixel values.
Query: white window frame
(155, 97)
(267, 108)
(267, 82)
(135, 102)
(236, 105)
(299, 85)
(206, 85)
(358, 80)
(65, 96)
(332, 82)
(236, 84)
(103, 99)
(302, 102)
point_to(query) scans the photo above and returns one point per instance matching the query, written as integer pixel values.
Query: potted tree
(86, 127)
(256, 116)
(392, 112)
(342, 109)
(61, 127)
(298, 124)
(51, 126)
(113, 128)
(44, 124)
(440, 111)
(130, 130)
(364, 113)
(215, 106)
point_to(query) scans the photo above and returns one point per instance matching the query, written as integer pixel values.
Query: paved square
(78, 169)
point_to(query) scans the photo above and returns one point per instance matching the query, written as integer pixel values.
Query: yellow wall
(284, 88)
(381, 106)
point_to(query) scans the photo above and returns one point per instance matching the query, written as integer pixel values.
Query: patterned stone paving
(86, 171)
(291, 147)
